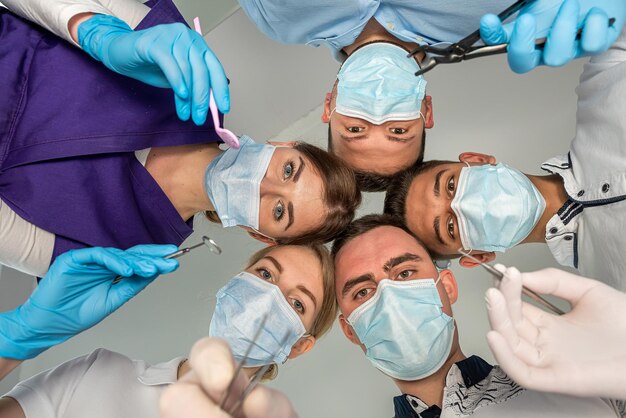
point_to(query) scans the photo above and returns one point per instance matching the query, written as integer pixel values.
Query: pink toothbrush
(227, 136)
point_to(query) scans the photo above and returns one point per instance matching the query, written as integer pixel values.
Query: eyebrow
(436, 224)
(368, 277)
(296, 177)
(352, 138)
(290, 213)
(308, 293)
(400, 259)
(275, 262)
(438, 182)
(403, 140)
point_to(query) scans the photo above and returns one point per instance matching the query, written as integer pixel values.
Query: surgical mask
(496, 207)
(404, 329)
(378, 83)
(233, 182)
(239, 311)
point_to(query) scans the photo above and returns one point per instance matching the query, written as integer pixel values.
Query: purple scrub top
(68, 131)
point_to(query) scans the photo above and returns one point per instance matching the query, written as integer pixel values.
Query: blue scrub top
(68, 131)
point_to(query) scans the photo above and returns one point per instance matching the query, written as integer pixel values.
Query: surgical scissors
(530, 293)
(206, 241)
(255, 380)
(465, 49)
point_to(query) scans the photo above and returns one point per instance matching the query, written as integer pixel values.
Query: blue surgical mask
(496, 207)
(233, 182)
(378, 83)
(239, 311)
(406, 333)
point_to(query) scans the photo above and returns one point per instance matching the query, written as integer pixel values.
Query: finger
(265, 402)
(180, 54)
(213, 364)
(142, 266)
(200, 86)
(559, 283)
(595, 32)
(154, 250)
(219, 81)
(527, 376)
(511, 288)
(171, 71)
(104, 258)
(521, 52)
(492, 31)
(560, 47)
(188, 400)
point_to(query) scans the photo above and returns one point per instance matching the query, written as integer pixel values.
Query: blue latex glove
(77, 293)
(170, 55)
(558, 20)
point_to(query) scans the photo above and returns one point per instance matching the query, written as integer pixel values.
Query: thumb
(127, 289)
(492, 31)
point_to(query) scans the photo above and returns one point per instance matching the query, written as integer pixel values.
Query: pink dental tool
(227, 136)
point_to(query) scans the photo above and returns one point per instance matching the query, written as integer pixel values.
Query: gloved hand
(581, 353)
(540, 19)
(77, 293)
(199, 393)
(170, 55)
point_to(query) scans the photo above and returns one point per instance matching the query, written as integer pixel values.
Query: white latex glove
(199, 393)
(581, 353)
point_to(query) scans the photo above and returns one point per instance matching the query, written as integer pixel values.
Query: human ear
(429, 121)
(476, 157)
(482, 257)
(267, 240)
(449, 284)
(326, 111)
(302, 346)
(348, 331)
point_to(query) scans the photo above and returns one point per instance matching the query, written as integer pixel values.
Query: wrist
(15, 339)
(96, 32)
(75, 21)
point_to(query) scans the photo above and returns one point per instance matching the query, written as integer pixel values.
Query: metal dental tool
(465, 49)
(206, 241)
(255, 380)
(499, 275)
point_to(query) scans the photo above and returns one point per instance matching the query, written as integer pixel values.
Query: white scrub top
(589, 232)
(102, 384)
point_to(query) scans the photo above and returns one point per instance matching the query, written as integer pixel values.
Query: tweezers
(530, 293)
(206, 241)
(465, 49)
(255, 380)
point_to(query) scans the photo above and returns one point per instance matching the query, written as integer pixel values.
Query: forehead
(370, 251)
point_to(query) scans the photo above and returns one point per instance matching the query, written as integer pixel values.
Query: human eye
(287, 170)
(450, 227)
(264, 273)
(450, 186)
(405, 274)
(397, 131)
(355, 129)
(363, 293)
(279, 211)
(298, 306)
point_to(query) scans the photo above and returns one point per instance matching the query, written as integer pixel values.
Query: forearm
(7, 365)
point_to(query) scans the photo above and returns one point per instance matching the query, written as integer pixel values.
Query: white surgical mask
(239, 311)
(404, 329)
(233, 182)
(496, 207)
(377, 83)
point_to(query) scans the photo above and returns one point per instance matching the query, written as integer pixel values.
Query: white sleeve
(49, 393)
(54, 15)
(24, 246)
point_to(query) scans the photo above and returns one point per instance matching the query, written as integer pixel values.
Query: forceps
(257, 377)
(206, 241)
(465, 49)
(530, 293)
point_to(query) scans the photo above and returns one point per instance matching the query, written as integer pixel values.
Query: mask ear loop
(463, 250)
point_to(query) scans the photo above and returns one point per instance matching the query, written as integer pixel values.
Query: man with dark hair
(377, 110)
(397, 307)
(578, 210)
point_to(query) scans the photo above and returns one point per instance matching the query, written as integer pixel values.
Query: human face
(385, 252)
(298, 274)
(429, 213)
(384, 149)
(292, 196)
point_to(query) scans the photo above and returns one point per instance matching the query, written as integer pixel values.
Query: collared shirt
(337, 23)
(589, 231)
(103, 384)
(475, 388)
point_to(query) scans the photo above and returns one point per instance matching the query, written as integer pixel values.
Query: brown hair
(341, 195)
(328, 309)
